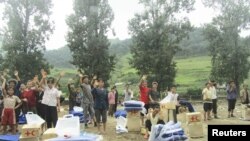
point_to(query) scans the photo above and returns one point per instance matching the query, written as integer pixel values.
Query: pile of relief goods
(168, 132)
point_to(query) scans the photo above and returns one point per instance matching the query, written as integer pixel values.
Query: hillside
(59, 58)
(195, 45)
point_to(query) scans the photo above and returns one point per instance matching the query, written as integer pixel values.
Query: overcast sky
(123, 10)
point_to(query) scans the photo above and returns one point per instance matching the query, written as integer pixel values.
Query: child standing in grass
(8, 113)
(207, 101)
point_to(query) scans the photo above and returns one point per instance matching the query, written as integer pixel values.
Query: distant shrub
(195, 93)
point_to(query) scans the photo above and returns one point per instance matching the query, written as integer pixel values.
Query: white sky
(123, 10)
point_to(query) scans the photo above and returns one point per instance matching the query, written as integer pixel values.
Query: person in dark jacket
(100, 104)
(116, 99)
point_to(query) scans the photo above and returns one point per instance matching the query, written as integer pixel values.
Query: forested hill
(60, 58)
(195, 45)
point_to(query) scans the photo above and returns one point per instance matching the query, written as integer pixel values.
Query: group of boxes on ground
(36, 129)
(193, 120)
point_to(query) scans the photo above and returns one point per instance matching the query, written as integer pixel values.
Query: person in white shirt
(50, 100)
(214, 98)
(128, 93)
(207, 101)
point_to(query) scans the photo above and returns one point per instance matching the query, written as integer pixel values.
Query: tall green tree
(28, 27)
(229, 53)
(156, 34)
(87, 37)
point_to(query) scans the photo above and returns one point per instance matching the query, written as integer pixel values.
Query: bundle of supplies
(119, 113)
(34, 128)
(133, 109)
(168, 132)
(121, 125)
(78, 111)
(133, 105)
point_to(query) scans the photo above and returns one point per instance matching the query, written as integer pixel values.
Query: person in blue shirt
(100, 104)
(231, 98)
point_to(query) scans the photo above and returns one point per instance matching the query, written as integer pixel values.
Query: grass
(192, 73)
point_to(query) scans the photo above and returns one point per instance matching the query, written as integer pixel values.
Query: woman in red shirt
(144, 95)
(28, 97)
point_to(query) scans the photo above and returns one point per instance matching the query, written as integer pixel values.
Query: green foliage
(195, 45)
(192, 72)
(28, 27)
(87, 37)
(59, 58)
(195, 93)
(156, 35)
(120, 47)
(229, 54)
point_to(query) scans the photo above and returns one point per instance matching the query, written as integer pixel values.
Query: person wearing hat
(231, 98)
(87, 101)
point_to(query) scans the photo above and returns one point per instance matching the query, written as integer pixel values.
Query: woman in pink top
(111, 98)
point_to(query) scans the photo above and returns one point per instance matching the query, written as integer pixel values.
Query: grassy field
(192, 73)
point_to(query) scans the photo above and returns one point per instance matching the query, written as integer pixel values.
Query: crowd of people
(43, 98)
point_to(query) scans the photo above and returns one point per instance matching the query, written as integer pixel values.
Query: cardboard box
(133, 114)
(21, 138)
(167, 106)
(49, 134)
(195, 129)
(167, 115)
(193, 117)
(33, 130)
(134, 121)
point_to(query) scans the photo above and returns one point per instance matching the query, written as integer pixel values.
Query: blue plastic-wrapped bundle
(168, 132)
(133, 105)
(79, 114)
(119, 113)
(22, 119)
(9, 137)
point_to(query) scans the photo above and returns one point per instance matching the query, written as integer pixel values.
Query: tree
(28, 27)
(87, 37)
(229, 53)
(156, 34)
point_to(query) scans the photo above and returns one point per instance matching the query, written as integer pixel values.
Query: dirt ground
(111, 134)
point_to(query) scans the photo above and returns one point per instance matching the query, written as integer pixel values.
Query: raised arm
(59, 78)
(143, 78)
(43, 81)
(3, 86)
(17, 76)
